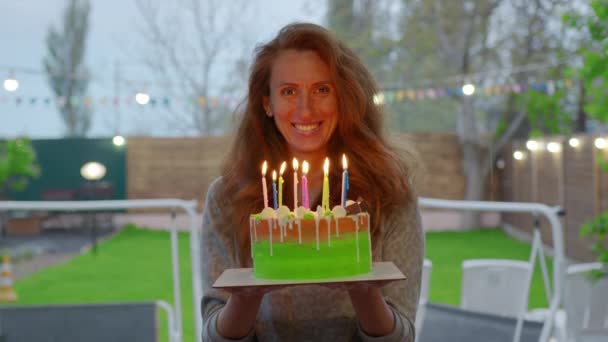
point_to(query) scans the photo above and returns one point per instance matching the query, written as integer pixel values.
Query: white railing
(175, 319)
(552, 215)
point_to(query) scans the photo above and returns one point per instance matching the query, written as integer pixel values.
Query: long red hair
(377, 172)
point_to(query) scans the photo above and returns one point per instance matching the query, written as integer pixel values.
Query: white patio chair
(585, 304)
(427, 267)
(495, 286)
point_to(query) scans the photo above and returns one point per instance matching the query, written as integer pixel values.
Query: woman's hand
(237, 318)
(375, 316)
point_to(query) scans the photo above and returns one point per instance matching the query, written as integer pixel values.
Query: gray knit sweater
(309, 312)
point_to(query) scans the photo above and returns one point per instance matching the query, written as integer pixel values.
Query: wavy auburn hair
(377, 172)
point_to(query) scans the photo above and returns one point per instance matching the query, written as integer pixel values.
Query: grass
(135, 265)
(447, 251)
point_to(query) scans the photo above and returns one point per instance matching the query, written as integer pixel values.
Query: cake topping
(301, 211)
(283, 212)
(359, 206)
(268, 213)
(339, 211)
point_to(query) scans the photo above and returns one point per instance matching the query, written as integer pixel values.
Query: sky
(113, 24)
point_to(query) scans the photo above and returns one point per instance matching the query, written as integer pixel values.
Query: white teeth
(306, 128)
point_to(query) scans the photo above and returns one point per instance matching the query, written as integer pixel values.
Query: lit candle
(295, 165)
(325, 198)
(274, 189)
(264, 189)
(344, 180)
(281, 181)
(305, 185)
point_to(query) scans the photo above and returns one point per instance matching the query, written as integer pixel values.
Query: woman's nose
(304, 107)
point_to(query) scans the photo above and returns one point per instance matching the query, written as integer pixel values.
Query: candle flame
(326, 166)
(305, 167)
(274, 175)
(344, 162)
(295, 164)
(283, 166)
(264, 168)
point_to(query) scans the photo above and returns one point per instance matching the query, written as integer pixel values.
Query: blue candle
(274, 189)
(344, 180)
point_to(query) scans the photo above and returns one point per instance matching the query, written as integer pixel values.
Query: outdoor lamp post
(92, 172)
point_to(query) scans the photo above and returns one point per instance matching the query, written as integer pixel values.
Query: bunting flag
(89, 101)
(386, 96)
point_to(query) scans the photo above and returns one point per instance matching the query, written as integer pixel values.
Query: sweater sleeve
(218, 254)
(402, 242)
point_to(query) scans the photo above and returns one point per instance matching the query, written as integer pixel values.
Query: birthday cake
(305, 244)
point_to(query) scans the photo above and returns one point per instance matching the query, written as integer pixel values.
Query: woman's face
(303, 102)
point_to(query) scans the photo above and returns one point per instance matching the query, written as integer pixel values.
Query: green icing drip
(309, 216)
(290, 260)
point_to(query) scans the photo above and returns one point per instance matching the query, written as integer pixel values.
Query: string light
(574, 142)
(554, 147)
(532, 145)
(11, 83)
(142, 98)
(600, 143)
(518, 155)
(118, 140)
(468, 89)
(379, 99)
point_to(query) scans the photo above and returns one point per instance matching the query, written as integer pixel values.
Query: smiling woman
(303, 103)
(311, 98)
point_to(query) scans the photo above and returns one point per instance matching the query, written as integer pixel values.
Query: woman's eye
(288, 91)
(323, 90)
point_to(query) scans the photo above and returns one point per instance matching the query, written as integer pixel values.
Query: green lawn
(447, 250)
(135, 265)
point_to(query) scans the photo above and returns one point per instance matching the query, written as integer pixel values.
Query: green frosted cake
(310, 245)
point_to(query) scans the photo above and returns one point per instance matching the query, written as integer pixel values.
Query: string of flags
(138, 100)
(401, 95)
(386, 96)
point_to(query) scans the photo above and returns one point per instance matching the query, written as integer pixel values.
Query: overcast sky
(23, 28)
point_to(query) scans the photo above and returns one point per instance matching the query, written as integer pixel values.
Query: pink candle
(305, 185)
(295, 165)
(264, 189)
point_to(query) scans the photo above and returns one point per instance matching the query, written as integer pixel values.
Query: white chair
(495, 286)
(427, 267)
(585, 304)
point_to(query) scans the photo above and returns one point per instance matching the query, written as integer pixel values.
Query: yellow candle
(281, 181)
(325, 198)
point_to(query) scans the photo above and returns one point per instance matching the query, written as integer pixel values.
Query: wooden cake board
(385, 271)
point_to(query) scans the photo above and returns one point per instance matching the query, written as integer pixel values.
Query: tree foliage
(17, 165)
(64, 64)
(595, 76)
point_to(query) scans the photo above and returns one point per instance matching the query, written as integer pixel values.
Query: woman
(309, 97)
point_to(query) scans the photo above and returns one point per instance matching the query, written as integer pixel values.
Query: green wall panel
(60, 161)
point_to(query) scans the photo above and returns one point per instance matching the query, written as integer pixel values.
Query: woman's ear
(267, 106)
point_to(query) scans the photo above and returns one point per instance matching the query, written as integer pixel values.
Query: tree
(190, 47)
(17, 165)
(466, 38)
(595, 77)
(64, 64)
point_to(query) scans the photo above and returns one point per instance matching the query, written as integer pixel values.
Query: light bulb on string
(142, 98)
(468, 89)
(574, 142)
(10, 83)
